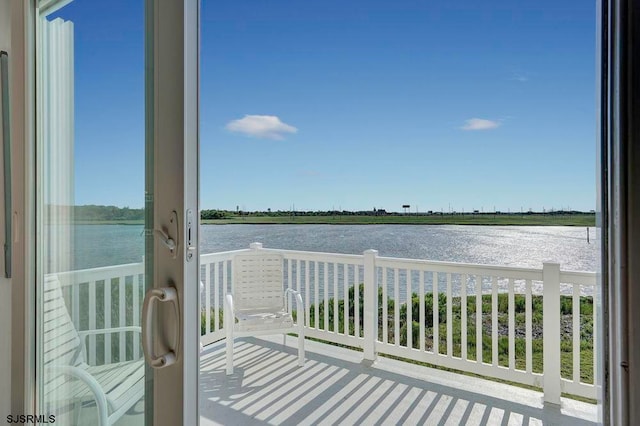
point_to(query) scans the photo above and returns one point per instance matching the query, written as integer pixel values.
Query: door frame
(23, 118)
(619, 205)
(173, 102)
(23, 324)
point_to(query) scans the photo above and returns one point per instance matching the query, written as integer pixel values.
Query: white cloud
(480, 124)
(261, 126)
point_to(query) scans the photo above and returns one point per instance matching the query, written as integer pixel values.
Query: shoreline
(219, 223)
(586, 222)
(580, 220)
(576, 220)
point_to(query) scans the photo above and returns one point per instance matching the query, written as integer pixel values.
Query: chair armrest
(92, 384)
(299, 303)
(228, 307)
(85, 333)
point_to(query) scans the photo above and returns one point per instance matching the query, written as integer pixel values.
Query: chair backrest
(258, 282)
(61, 341)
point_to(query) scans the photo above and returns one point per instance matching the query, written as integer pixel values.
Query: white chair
(259, 305)
(114, 387)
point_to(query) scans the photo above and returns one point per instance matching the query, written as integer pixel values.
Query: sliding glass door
(114, 143)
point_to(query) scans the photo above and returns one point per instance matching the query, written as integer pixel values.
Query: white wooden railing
(106, 297)
(325, 281)
(321, 276)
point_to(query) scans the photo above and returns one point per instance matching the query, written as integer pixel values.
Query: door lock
(191, 249)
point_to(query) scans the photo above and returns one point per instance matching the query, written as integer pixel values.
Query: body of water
(525, 246)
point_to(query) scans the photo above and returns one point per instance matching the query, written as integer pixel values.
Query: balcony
(382, 331)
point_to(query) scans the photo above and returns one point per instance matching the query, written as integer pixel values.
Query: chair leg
(229, 357)
(77, 406)
(229, 344)
(301, 346)
(103, 415)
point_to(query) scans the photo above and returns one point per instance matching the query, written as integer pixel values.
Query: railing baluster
(512, 326)
(396, 306)
(528, 308)
(136, 315)
(575, 313)
(107, 320)
(345, 289)
(208, 282)
(370, 303)
(463, 316)
(226, 267)
(494, 321)
(316, 292)
(356, 288)
(385, 313)
(449, 318)
(306, 292)
(326, 296)
(217, 303)
(92, 322)
(336, 294)
(409, 318)
(307, 307)
(421, 308)
(290, 275)
(122, 318)
(76, 305)
(436, 313)
(479, 319)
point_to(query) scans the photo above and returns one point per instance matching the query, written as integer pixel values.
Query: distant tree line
(215, 214)
(113, 213)
(106, 213)
(222, 214)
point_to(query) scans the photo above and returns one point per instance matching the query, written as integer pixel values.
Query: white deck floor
(334, 387)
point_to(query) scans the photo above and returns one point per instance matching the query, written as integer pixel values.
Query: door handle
(169, 242)
(164, 294)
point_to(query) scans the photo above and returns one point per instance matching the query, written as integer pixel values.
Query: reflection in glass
(90, 359)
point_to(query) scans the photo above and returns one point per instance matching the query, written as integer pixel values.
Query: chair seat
(258, 320)
(120, 382)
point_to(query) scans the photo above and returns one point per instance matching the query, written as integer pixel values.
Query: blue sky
(354, 105)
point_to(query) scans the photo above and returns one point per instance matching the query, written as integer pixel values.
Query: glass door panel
(91, 212)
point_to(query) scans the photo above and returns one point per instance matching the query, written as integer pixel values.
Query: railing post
(255, 246)
(551, 332)
(370, 314)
